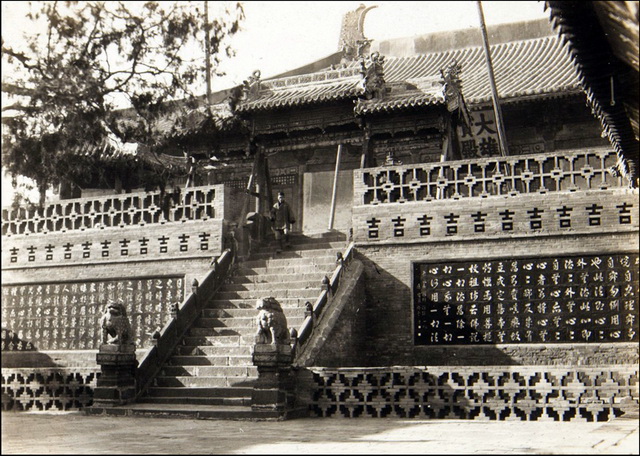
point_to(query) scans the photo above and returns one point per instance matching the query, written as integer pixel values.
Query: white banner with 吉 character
(482, 139)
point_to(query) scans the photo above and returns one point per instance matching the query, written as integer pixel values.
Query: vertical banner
(482, 139)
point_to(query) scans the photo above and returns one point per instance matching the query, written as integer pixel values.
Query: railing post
(326, 285)
(308, 310)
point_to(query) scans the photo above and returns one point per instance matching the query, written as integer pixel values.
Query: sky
(278, 36)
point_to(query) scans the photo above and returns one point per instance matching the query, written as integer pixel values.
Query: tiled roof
(603, 41)
(522, 68)
(111, 149)
(531, 68)
(191, 121)
(312, 88)
(413, 93)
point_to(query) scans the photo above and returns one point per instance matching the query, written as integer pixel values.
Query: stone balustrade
(115, 211)
(496, 176)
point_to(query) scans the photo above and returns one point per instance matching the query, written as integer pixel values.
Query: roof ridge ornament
(251, 86)
(452, 91)
(353, 44)
(372, 72)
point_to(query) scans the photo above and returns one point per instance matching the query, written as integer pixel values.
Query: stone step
(195, 411)
(213, 350)
(278, 283)
(311, 277)
(278, 293)
(299, 237)
(233, 340)
(220, 332)
(295, 317)
(226, 401)
(310, 244)
(230, 323)
(322, 258)
(230, 304)
(246, 333)
(180, 392)
(230, 313)
(204, 360)
(251, 303)
(295, 252)
(326, 258)
(251, 272)
(202, 381)
(209, 371)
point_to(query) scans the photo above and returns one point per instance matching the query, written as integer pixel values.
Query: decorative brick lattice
(131, 209)
(40, 389)
(491, 393)
(541, 173)
(281, 179)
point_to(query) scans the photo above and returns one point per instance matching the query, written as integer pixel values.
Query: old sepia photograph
(320, 227)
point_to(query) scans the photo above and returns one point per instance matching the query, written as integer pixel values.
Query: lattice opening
(520, 396)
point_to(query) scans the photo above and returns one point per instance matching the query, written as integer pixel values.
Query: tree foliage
(68, 84)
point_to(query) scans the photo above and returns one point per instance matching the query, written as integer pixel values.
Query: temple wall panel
(437, 241)
(415, 149)
(103, 246)
(62, 264)
(497, 217)
(391, 312)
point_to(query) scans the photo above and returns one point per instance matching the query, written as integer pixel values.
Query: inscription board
(61, 316)
(573, 299)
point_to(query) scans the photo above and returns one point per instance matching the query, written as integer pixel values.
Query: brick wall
(339, 331)
(390, 310)
(563, 213)
(389, 257)
(58, 282)
(171, 241)
(58, 274)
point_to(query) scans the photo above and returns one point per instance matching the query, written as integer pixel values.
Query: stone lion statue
(115, 325)
(272, 323)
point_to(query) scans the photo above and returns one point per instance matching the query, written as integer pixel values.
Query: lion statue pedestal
(117, 382)
(117, 359)
(273, 356)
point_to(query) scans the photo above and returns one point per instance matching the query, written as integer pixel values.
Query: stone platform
(75, 433)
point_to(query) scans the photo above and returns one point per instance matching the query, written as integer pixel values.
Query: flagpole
(494, 92)
(335, 187)
(207, 47)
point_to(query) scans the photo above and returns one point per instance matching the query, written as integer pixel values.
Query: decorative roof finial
(452, 91)
(353, 43)
(372, 72)
(251, 86)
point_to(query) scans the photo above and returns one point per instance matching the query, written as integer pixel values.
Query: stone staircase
(210, 374)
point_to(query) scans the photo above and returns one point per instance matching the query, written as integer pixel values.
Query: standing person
(282, 219)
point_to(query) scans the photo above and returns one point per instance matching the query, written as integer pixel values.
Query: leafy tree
(68, 85)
